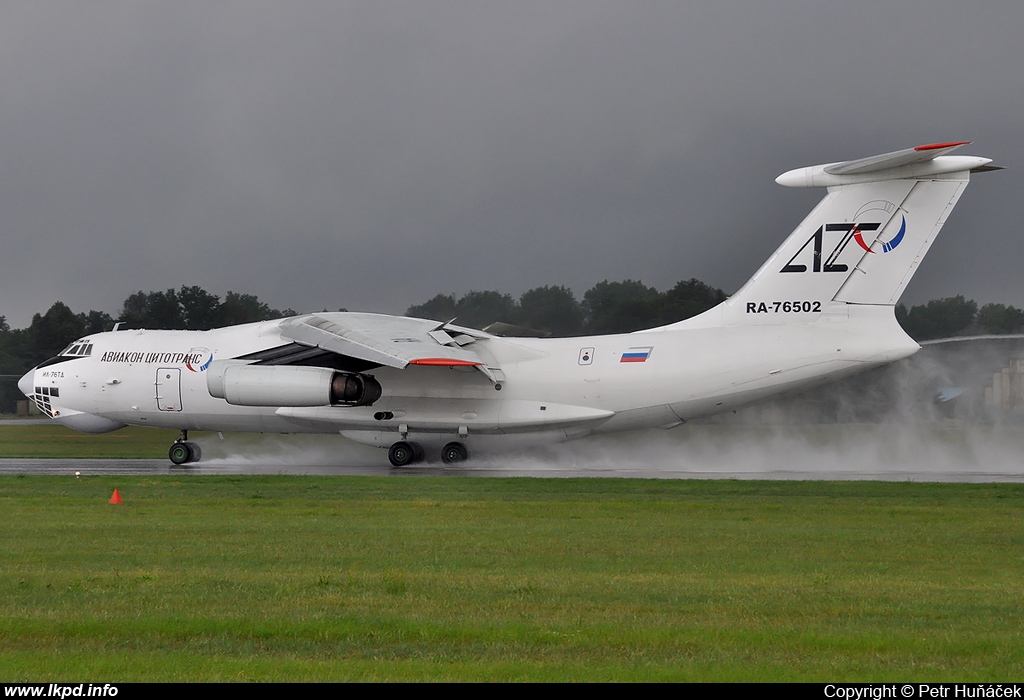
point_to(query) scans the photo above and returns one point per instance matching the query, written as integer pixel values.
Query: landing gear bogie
(405, 453)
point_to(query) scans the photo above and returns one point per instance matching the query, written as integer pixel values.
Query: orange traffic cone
(115, 500)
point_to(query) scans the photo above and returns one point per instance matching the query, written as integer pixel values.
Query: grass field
(55, 441)
(364, 578)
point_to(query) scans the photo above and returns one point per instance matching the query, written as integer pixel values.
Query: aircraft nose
(25, 383)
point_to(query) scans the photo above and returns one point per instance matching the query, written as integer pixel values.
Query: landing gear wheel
(180, 453)
(418, 453)
(184, 453)
(454, 452)
(402, 454)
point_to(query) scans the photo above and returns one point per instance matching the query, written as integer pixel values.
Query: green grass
(359, 578)
(54, 441)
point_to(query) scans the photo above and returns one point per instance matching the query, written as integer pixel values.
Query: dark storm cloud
(371, 155)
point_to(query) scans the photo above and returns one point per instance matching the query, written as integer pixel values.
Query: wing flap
(385, 340)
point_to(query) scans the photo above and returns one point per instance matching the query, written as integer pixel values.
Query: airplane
(820, 308)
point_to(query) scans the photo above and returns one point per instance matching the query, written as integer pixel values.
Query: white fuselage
(552, 389)
(819, 308)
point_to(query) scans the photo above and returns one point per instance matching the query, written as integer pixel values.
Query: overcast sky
(370, 155)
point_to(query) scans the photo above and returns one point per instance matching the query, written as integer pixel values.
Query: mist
(895, 423)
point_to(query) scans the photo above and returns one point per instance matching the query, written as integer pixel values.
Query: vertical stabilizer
(861, 244)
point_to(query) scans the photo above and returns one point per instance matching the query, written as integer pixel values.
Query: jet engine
(288, 385)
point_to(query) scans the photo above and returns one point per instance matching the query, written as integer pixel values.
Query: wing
(398, 342)
(394, 341)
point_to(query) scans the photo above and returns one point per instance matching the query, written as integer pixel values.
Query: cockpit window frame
(79, 348)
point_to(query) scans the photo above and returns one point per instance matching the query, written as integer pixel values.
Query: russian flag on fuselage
(637, 354)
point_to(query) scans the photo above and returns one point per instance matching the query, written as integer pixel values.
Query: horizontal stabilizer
(922, 162)
(907, 156)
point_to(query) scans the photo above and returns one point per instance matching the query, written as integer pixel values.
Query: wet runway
(144, 467)
(152, 467)
(956, 453)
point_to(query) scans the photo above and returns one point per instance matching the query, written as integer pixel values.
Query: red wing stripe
(934, 146)
(444, 362)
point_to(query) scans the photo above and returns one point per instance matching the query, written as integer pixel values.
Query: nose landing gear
(183, 451)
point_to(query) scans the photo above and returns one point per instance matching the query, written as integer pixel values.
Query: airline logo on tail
(819, 241)
(888, 245)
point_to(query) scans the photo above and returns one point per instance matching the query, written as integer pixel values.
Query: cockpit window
(79, 348)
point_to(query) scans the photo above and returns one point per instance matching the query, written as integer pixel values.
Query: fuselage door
(168, 389)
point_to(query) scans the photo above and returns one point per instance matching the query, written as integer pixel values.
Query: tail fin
(864, 240)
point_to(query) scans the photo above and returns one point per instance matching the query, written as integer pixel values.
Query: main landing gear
(403, 453)
(183, 451)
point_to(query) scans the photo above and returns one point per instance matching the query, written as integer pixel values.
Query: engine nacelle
(288, 385)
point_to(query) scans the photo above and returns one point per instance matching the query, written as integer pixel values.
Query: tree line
(188, 308)
(607, 307)
(952, 316)
(622, 307)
